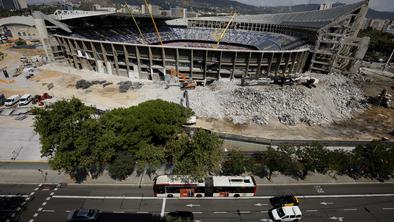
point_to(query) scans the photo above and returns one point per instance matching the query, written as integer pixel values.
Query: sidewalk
(34, 176)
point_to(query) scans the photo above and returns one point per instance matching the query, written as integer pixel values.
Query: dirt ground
(373, 123)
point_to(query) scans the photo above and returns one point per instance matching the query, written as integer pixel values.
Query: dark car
(83, 215)
(285, 200)
(2, 99)
(183, 215)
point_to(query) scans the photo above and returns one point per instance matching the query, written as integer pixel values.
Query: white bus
(214, 186)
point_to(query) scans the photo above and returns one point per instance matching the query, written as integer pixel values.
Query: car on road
(82, 215)
(182, 215)
(2, 99)
(288, 213)
(284, 200)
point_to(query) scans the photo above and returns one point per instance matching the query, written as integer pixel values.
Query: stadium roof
(313, 19)
(19, 20)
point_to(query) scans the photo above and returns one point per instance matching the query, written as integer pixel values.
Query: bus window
(159, 189)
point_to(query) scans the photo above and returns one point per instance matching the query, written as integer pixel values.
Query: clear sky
(381, 5)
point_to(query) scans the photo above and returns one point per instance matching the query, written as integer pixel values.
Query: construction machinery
(184, 82)
(220, 37)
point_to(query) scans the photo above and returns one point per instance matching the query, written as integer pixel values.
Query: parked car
(10, 101)
(82, 215)
(182, 215)
(25, 99)
(285, 200)
(289, 213)
(2, 99)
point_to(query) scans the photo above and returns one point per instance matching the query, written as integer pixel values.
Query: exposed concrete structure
(332, 33)
(19, 27)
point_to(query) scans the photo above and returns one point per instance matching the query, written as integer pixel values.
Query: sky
(380, 5)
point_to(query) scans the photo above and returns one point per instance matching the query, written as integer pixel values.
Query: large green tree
(68, 134)
(197, 156)
(313, 158)
(235, 163)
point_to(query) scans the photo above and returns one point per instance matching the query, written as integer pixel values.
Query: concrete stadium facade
(330, 34)
(138, 61)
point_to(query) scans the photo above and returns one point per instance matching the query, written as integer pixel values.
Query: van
(25, 99)
(10, 101)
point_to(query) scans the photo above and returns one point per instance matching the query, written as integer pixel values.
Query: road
(330, 203)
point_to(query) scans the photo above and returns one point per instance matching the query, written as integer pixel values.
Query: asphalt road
(367, 202)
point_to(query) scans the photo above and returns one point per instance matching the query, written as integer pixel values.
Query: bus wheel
(198, 195)
(170, 195)
(236, 195)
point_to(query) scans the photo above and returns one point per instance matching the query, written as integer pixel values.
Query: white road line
(350, 209)
(31, 220)
(56, 189)
(48, 198)
(389, 208)
(52, 193)
(12, 195)
(43, 204)
(35, 215)
(197, 212)
(39, 209)
(32, 193)
(264, 211)
(222, 198)
(36, 189)
(50, 211)
(67, 211)
(244, 212)
(142, 212)
(119, 212)
(312, 210)
(163, 207)
(220, 212)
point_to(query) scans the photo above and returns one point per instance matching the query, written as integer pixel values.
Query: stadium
(210, 48)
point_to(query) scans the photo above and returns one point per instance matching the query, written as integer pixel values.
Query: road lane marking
(43, 204)
(350, 209)
(264, 211)
(13, 195)
(35, 215)
(221, 198)
(119, 212)
(219, 212)
(49, 211)
(36, 189)
(244, 212)
(31, 194)
(197, 212)
(163, 207)
(48, 198)
(389, 208)
(39, 209)
(142, 212)
(319, 189)
(31, 220)
(52, 193)
(312, 210)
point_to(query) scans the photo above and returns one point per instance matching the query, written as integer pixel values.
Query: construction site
(270, 76)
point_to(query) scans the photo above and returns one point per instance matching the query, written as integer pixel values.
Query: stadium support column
(293, 62)
(96, 60)
(104, 52)
(177, 60)
(138, 55)
(126, 59)
(43, 35)
(191, 64)
(258, 69)
(270, 63)
(220, 64)
(205, 66)
(287, 60)
(234, 61)
(278, 63)
(150, 62)
(163, 54)
(246, 73)
(115, 55)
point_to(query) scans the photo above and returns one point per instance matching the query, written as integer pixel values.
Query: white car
(10, 101)
(288, 213)
(25, 99)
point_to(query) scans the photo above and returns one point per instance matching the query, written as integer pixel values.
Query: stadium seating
(258, 40)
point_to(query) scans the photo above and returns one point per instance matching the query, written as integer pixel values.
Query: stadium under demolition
(208, 48)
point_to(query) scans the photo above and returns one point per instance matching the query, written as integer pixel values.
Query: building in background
(19, 27)
(325, 6)
(377, 24)
(13, 4)
(154, 9)
(178, 12)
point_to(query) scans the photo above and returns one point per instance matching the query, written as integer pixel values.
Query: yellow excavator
(221, 36)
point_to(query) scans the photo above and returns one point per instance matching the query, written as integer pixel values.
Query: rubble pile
(335, 98)
(84, 84)
(124, 86)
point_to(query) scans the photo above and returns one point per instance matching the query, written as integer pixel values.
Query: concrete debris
(124, 86)
(84, 84)
(335, 98)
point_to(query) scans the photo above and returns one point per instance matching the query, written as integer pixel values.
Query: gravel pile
(124, 86)
(84, 84)
(335, 98)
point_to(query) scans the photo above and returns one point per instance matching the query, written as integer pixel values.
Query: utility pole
(388, 61)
